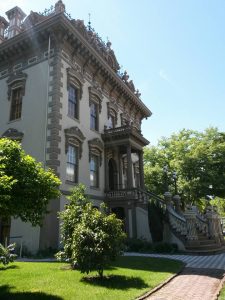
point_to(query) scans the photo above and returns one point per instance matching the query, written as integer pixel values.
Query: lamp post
(174, 175)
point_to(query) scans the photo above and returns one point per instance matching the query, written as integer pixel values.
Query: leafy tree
(197, 157)
(25, 187)
(91, 238)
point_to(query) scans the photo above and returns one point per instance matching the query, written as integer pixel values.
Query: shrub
(92, 238)
(141, 245)
(6, 254)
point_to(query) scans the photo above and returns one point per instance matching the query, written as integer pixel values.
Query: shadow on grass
(7, 294)
(5, 268)
(147, 264)
(116, 282)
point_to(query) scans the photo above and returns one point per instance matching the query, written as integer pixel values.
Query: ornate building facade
(63, 96)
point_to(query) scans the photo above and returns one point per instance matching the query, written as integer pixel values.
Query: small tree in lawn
(92, 238)
(25, 187)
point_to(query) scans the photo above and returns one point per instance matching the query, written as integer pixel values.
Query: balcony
(127, 194)
(123, 134)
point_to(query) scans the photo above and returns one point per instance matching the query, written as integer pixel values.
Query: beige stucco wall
(30, 235)
(143, 224)
(32, 124)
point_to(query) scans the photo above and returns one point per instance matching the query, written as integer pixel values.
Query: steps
(204, 245)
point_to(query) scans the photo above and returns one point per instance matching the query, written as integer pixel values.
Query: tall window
(94, 171)
(72, 164)
(94, 116)
(73, 102)
(111, 122)
(16, 104)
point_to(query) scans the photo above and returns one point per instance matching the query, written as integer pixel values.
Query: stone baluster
(177, 204)
(215, 230)
(190, 217)
(168, 198)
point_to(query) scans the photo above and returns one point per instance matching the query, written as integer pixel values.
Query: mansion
(63, 97)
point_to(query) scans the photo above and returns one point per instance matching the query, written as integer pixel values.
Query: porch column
(134, 222)
(129, 168)
(120, 170)
(141, 170)
(106, 172)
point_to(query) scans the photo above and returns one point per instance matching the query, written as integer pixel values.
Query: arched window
(95, 103)
(75, 89)
(16, 91)
(73, 147)
(95, 159)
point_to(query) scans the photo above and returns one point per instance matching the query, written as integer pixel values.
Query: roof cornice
(52, 25)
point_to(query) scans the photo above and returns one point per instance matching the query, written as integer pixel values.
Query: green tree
(91, 237)
(197, 157)
(25, 187)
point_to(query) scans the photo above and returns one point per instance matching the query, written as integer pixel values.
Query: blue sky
(174, 50)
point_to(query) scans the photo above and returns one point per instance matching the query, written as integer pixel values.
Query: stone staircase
(199, 233)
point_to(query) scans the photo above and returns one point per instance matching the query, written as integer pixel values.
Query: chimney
(15, 16)
(3, 25)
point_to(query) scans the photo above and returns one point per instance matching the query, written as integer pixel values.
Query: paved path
(191, 284)
(200, 279)
(193, 261)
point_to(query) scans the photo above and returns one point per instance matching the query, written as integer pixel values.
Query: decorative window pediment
(16, 80)
(13, 134)
(95, 96)
(125, 119)
(75, 78)
(75, 137)
(96, 148)
(112, 110)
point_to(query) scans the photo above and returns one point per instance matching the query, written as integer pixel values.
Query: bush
(92, 238)
(138, 245)
(143, 246)
(6, 254)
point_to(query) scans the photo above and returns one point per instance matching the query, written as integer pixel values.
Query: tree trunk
(100, 273)
(5, 225)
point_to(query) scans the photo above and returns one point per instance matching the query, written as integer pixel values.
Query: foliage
(143, 246)
(25, 187)
(92, 238)
(197, 157)
(127, 278)
(6, 254)
(70, 218)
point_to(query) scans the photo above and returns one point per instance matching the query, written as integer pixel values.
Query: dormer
(3, 25)
(15, 16)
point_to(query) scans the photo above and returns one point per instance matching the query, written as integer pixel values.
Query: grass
(127, 278)
(222, 294)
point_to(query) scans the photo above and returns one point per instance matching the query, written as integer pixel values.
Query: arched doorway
(120, 214)
(112, 174)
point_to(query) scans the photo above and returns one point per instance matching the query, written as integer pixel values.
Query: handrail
(175, 214)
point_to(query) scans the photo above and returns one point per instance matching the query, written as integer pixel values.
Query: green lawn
(222, 294)
(128, 278)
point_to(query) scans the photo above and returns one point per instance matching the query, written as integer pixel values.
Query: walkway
(200, 280)
(193, 261)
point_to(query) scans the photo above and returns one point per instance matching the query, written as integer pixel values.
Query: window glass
(16, 104)
(72, 102)
(94, 170)
(71, 168)
(94, 116)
